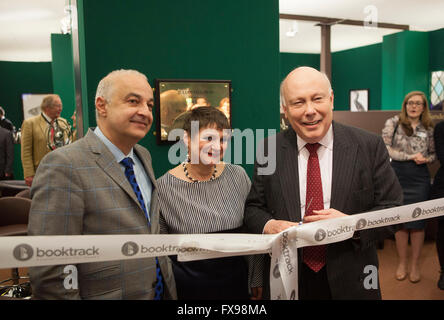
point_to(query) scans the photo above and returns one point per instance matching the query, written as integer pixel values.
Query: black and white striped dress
(207, 207)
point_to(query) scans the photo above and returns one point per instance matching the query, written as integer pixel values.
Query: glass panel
(437, 87)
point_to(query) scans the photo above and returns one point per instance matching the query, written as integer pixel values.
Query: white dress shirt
(325, 156)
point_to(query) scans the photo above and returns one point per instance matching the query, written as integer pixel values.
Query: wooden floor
(391, 288)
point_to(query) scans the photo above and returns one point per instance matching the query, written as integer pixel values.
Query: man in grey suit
(83, 188)
(6, 154)
(324, 170)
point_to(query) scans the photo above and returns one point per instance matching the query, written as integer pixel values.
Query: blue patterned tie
(129, 173)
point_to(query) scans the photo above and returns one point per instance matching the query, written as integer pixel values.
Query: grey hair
(106, 85)
(281, 89)
(48, 101)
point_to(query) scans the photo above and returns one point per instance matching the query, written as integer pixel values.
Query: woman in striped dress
(205, 195)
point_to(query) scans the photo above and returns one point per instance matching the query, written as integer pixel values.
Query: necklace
(187, 174)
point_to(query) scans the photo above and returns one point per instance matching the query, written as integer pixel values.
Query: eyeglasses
(415, 103)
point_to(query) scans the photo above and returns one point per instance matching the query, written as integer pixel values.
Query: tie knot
(127, 162)
(312, 148)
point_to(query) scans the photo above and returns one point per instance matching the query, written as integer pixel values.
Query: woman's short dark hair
(207, 117)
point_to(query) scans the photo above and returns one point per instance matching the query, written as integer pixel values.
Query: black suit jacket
(438, 181)
(362, 181)
(6, 152)
(7, 124)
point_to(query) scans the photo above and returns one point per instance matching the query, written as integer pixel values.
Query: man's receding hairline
(282, 87)
(107, 83)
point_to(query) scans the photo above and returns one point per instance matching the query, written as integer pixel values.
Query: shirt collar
(46, 117)
(117, 153)
(326, 141)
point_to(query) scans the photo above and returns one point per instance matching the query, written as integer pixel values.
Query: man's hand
(28, 180)
(276, 226)
(323, 214)
(256, 293)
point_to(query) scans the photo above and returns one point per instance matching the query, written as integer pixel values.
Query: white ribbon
(31, 251)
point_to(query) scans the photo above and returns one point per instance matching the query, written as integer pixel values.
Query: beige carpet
(393, 289)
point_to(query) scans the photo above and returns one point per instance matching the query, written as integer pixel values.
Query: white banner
(30, 251)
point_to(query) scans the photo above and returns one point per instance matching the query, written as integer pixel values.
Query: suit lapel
(106, 160)
(290, 177)
(43, 126)
(344, 157)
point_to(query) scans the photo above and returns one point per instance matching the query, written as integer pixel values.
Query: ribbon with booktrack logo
(284, 262)
(31, 251)
(283, 271)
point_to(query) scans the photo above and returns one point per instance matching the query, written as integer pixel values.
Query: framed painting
(175, 97)
(359, 99)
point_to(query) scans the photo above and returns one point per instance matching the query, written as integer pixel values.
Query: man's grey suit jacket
(80, 189)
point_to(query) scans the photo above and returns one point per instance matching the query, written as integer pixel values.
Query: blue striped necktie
(129, 173)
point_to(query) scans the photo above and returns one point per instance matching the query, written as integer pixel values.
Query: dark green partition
(234, 40)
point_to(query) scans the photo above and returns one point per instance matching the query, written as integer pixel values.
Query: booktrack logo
(67, 252)
(24, 252)
(418, 212)
(131, 248)
(321, 234)
(362, 223)
(286, 252)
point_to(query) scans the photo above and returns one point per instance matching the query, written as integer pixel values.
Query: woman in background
(205, 195)
(409, 140)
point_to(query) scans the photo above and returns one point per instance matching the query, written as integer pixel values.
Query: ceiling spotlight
(293, 30)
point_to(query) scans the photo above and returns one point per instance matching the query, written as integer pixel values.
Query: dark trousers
(313, 285)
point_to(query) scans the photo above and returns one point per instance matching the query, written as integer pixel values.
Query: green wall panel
(18, 78)
(234, 40)
(63, 72)
(405, 66)
(358, 68)
(436, 51)
(290, 61)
